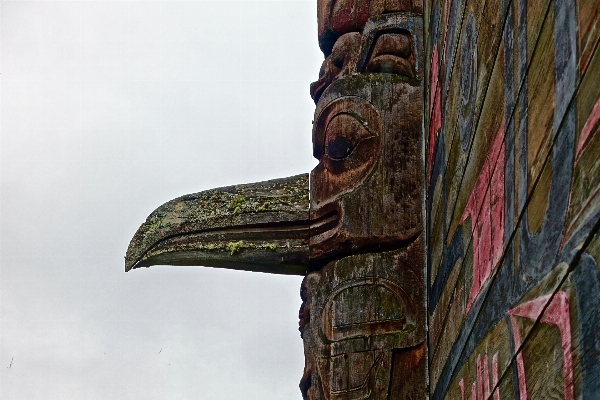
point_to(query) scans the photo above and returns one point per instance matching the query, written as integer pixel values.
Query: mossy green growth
(237, 203)
(234, 247)
(211, 246)
(271, 246)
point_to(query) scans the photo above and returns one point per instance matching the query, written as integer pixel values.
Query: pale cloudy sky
(109, 109)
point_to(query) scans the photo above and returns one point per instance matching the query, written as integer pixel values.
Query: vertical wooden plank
(439, 318)
(451, 329)
(588, 26)
(479, 376)
(585, 189)
(463, 173)
(445, 323)
(547, 133)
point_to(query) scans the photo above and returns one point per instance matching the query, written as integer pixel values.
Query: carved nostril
(338, 62)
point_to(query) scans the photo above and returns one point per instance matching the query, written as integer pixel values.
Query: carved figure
(363, 313)
(359, 240)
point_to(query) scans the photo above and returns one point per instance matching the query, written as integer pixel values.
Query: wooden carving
(259, 227)
(363, 313)
(358, 238)
(512, 214)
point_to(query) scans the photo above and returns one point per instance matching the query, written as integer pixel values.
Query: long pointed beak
(260, 227)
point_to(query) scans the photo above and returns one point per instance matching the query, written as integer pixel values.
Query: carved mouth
(305, 384)
(325, 225)
(317, 88)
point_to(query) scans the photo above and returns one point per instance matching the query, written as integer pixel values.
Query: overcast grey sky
(109, 109)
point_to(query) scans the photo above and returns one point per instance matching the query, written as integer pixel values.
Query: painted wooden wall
(513, 198)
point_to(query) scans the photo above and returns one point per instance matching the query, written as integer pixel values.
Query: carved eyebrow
(390, 23)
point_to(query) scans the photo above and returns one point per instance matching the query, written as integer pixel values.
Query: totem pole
(356, 234)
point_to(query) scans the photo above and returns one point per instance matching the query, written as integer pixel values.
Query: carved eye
(343, 134)
(346, 142)
(339, 147)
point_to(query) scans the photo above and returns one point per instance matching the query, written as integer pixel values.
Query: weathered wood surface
(337, 17)
(360, 237)
(364, 327)
(258, 227)
(512, 198)
(363, 313)
(509, 159)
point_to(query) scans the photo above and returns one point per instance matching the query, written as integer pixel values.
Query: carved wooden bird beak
(260, 227)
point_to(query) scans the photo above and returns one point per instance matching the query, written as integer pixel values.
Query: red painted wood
(588, 129)
(556, 313)
(485, 207)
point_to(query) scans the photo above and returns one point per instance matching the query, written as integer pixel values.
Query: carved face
(337, 17)
(357, 311)
(365, 302)
(365, 193)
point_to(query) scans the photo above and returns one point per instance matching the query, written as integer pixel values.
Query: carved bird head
(364, 194)
(335, 225)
